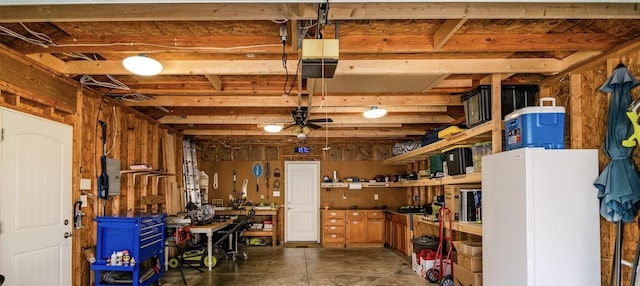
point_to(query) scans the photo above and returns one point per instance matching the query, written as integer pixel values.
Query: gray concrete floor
(267, 266)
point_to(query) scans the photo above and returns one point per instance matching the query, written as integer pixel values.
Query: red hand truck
(438, 271)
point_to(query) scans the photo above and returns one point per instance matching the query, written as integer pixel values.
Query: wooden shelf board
(476, 134)
(470, 228)
(462, 179)
(257, 233)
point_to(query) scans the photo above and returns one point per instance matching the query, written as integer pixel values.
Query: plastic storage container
(477, 103)
(477, 152)
(458, 158)
(539, 126)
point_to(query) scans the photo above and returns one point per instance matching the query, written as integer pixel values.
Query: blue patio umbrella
(619, 183)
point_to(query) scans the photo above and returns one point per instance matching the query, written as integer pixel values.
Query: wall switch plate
(262, 197)
(85, 184)
(375, 197)
(83, 199)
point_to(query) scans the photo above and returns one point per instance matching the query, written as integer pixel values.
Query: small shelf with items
(474, 135)
(330, 185)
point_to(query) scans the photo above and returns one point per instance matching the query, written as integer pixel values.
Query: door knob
(67, 234)
(289, 208)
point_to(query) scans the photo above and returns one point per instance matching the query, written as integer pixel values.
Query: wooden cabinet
(375, 227)
(356, 228)
(397, 233)
(365, 228)
(333, 228)
(352, 228)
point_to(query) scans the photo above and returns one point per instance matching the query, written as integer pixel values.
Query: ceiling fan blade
(314, 126)
(288, 126)
(320, 120)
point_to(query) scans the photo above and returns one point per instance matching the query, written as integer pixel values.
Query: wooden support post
(575, 116)
(496, 113)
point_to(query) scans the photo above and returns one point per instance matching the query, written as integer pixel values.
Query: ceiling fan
(302, 125)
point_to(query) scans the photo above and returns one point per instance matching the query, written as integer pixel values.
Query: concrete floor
(267, 266)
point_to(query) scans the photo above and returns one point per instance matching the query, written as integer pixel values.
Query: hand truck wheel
(447, 281)
(433, 275)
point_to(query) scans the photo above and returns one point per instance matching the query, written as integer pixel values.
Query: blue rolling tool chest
(142, 235)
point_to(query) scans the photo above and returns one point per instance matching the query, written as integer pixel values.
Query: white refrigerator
(540, 218)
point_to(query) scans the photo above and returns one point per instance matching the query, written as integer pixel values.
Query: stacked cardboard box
(467, 271)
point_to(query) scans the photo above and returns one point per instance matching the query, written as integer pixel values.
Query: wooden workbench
(273, 213)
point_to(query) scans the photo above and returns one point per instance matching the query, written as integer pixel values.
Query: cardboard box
(473, 263)
(470, 248)
(464, 277)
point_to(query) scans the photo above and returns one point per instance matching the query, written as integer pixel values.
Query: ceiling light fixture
(273, 128)
(375, 112)
(142, 65)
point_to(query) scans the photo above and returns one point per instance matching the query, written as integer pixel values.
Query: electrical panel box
(113, 172)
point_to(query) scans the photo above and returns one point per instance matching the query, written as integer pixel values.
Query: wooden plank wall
(137, 139)
(587, 110)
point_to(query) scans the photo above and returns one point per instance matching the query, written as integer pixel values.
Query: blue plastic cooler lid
(537, 109)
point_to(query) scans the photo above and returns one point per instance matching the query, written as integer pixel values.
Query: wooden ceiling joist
(318, 133)
(308, 11)
(265, 119)
(292, 101)
(346, 67)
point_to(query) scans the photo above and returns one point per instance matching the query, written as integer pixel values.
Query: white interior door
(302, 201)
(35, 200)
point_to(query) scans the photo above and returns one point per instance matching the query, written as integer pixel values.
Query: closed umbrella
(619, 183)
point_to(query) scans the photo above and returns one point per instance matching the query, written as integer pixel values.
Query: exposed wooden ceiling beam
(265, 119)
(345, 67)
(307, 11)
(360, 109)
(313, 134)
(292, 101)
(446, 30)
(349, 44)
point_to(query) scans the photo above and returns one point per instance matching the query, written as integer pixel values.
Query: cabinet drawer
(334, 229)
(333, 214)
(356, 214)
(334, 221)
(375, 214)
(333, 238)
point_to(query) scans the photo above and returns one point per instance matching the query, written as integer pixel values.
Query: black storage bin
(477, 103)
(458, 158)
(425, 242)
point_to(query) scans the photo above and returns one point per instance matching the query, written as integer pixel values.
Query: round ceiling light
(273, 128)
(375, 112)
(142, 65)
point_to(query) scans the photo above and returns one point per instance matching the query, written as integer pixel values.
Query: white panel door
(35, 200)
(302, 201)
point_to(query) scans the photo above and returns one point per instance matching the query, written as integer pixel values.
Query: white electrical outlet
(262, 197)
(276, 193)
(83, 199)
(85, 184)
(375, 197)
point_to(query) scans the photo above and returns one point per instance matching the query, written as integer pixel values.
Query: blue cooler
(536, 126)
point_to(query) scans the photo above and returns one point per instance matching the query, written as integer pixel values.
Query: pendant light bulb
(375, 112)
(142, 65)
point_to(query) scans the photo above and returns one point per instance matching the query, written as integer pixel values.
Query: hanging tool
(234, 182)
(77, 214)
(266, 175)
(103, 179)
(257, 172)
